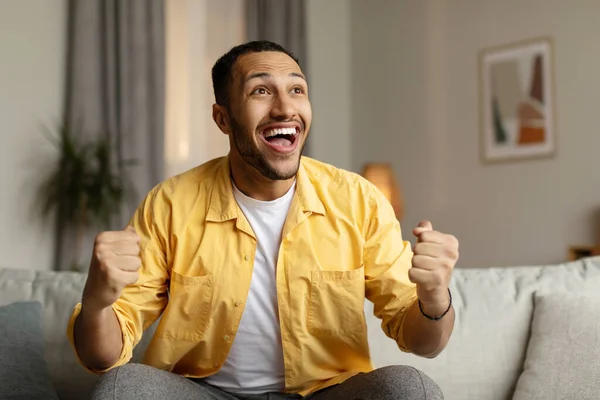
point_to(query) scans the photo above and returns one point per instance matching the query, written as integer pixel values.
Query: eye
(298, 90)
(259, 90)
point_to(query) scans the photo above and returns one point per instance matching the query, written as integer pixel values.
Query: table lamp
(382, 176)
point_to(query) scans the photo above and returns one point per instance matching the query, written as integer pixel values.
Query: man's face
(269, 113)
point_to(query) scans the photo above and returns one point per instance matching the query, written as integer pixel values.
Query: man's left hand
(435, 255)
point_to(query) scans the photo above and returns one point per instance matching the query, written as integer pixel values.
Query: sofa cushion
(23, 370)
(494, 308)
(58, 292)
(563, 356)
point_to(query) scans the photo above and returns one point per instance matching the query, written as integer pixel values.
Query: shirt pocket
(337, 301)
(189, 307)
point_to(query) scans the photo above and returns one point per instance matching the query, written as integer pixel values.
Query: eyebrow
(269, 76)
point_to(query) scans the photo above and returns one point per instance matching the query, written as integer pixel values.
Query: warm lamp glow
(382, 176)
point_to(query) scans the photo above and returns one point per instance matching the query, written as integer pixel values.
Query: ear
(221, 118)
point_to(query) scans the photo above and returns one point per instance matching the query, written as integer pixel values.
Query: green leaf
(85, 183)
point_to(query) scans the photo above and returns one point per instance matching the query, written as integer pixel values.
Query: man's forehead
(270, 62)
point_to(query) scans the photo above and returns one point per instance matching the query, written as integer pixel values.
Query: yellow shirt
(341, 243)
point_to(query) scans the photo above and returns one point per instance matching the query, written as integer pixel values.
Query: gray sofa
(484, 360)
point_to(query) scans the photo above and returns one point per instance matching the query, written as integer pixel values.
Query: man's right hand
(114, 265)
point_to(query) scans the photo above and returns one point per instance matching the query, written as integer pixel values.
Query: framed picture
(517, 101)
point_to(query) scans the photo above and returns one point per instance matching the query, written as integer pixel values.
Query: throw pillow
(563, 355)
(23, 371)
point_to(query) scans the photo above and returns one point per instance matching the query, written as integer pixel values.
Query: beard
(257, 160)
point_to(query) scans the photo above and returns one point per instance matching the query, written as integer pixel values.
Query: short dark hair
(222, 70)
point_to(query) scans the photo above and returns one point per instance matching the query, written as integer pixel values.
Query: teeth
(280, 131)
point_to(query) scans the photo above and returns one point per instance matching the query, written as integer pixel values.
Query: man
(258, 264)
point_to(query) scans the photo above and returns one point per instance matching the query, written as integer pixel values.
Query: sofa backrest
(494, 308)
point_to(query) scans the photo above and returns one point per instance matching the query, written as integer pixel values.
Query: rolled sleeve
(126, 352)
(387, 260)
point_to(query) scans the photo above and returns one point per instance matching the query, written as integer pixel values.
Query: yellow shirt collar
(223, 207)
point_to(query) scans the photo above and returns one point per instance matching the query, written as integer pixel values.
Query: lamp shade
(382, 176)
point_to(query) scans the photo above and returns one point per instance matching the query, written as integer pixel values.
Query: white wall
(394, 82)
(415, 102)
(198, 32)
(328, 56)
(31, 95)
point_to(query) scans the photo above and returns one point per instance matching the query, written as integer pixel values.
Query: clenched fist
(435, 255)
(114, 265)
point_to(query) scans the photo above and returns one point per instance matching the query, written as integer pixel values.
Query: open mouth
(281, 139)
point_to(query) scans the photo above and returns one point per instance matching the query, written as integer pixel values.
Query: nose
(283, 107)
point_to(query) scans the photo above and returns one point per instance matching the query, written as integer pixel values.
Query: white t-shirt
(255, 362)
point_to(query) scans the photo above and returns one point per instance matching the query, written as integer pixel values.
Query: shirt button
(226, 337)
(238, 303)
(246, 257)
(216, 365)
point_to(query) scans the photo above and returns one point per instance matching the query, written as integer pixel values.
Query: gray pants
(137, 381)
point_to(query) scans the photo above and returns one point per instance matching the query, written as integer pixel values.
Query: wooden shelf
(577, 252)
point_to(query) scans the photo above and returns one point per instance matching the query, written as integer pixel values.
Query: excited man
(258, 264)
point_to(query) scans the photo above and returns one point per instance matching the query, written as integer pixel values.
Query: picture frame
(517, 101)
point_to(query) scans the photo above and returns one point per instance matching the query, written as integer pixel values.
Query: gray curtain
(115, 80)
(282, 22)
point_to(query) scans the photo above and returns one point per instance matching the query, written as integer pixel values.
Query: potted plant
(85, 189)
